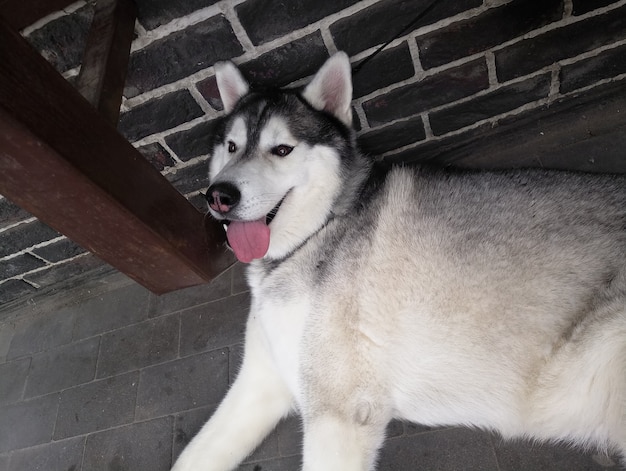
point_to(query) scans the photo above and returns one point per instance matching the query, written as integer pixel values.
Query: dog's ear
(230, 83)
(331, 88)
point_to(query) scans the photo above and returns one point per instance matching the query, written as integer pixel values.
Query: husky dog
(443, 297)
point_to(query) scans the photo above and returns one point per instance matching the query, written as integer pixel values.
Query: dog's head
(276, 167)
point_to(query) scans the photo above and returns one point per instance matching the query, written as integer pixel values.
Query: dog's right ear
(230, 83)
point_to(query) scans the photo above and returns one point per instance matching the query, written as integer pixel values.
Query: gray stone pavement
(118, 379)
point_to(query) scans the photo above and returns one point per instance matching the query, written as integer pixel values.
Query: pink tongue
(249, 240)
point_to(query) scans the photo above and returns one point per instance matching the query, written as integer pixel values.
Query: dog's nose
(223, 197)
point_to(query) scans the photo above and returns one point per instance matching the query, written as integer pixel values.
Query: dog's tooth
(225, 226)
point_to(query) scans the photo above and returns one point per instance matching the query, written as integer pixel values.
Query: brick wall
(463, 69)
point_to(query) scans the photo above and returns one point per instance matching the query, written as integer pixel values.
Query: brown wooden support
(66, 164)
(105, 61)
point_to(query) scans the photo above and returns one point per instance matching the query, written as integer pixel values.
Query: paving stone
(194, 296)
(386, 68)
(532, 54)
(181, 54)
(154, 13)
(393, 136)
(60, 250)
(25, 235)
(580, 7)
(62, 41)
(482, 32)
(439, 89)
(192, 142)
(96, 406)
(139, 345)
(384, 20)
(276, 68)
(140, 446)
(445, 450)
(55, 456)
(7, 330)
(240, 284)
(497, 102)
(12, 380)
(62, 367)
(110, 311)
(4, 461)
(265, 20)
(159, 114)
(279, 464)
(156, 154)
(18, 265)
(289, 433)
(214, 325)
(14, 289)
(37, 333)
(192, 382)
(31, 423)
(605, 65)
(235, 358)
(522, 456)
(186, 425)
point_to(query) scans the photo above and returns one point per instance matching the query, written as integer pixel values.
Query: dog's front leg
(256, 402)
(332, 443)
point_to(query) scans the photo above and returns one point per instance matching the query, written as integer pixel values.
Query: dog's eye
(282, 150)
(232, 147)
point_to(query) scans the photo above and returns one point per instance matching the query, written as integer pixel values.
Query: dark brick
(464, 449)
(62, 41)
(192, 178)
(60, 250)
(62, 455)
(535, 53)
(385, 20)
(194, 296)
(25, 235)
(14, 289)
(142, 446)
(62, 367)
(580, 7)
(436, 90)
(12, 379)
(522, 455)
(110, 311)
(393, 136)
(11, 213)
(497, 102)
(390, 66)
(69, 273)
(154, 13)
(35, 334)
(159, 114)
(97, 406)
(277, 68)
(193, 142)
(18, 265)
(482, 32)
(187, 425)
(265, 20)
(139, 345)
(192, 382)
(157, 156)
(31, 423)
(214, 325)
(605, 65)
(181, 54)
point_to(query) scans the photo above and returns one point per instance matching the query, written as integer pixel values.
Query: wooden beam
(67, 165)
(20, 13)
(105, 61)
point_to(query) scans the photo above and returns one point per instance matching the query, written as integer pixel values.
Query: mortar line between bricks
(71, 8)
(240, 32)
(39, 269)
(19, 223)
(568, 8)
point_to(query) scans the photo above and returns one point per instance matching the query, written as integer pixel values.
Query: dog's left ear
(230, 83)
(331, 88)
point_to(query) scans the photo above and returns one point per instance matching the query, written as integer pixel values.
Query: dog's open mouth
(251, 239)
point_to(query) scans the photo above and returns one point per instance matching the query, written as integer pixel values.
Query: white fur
(424, 312)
